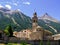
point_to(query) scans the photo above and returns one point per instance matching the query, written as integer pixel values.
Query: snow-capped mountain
(46, 16)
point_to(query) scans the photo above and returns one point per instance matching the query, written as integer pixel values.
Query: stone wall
(36, 36)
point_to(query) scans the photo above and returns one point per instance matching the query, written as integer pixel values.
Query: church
(36, 33)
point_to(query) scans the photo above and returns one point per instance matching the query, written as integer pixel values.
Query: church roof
(39, 27)
(47, 31)
(55, 35)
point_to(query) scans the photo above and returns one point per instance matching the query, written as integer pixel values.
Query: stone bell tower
(34, 21)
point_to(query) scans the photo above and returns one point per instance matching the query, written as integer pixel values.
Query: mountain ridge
(20, 21)
(46, 16)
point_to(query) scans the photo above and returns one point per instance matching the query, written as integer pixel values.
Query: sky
(28, 7)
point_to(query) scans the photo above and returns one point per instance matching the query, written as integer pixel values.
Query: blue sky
(52, 7)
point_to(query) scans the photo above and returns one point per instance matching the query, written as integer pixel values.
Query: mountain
(20, 21)
(49, 23)
(46, 16)
(17, 19)
(4, 9)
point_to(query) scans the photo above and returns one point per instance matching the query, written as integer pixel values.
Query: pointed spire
(35, 12)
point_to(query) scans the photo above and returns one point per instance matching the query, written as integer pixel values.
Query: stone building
(36, 33)
(56, 36)
(24, 34)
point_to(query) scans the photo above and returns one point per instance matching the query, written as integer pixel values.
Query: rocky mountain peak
(4, 9)
(46, 16)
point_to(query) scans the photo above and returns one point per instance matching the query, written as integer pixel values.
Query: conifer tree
(9, 31)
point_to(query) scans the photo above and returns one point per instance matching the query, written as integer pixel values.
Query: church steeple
(34, 20)
(35, 14)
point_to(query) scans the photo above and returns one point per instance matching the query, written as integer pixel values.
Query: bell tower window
(34, 21)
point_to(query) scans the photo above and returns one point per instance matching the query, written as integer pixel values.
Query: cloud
(1, 6)
(26, 3)
(15, 4)
(18, 9)
(8, 6)
(8, 2)
(12, 3)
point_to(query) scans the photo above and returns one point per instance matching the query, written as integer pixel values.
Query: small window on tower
(34, 20)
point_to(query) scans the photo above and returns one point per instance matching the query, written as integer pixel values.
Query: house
(56, 36)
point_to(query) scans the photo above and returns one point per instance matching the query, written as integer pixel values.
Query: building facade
(36, 33)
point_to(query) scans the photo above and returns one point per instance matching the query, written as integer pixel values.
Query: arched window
(38, 30)
(34, 21)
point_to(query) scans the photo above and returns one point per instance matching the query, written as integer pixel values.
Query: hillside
(19, 21)
(16, 18)
(49, 23)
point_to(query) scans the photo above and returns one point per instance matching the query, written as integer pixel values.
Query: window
(34, 20)
(38, 30)
(24, 31)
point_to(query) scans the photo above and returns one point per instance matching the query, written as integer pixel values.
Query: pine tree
(9, 31)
